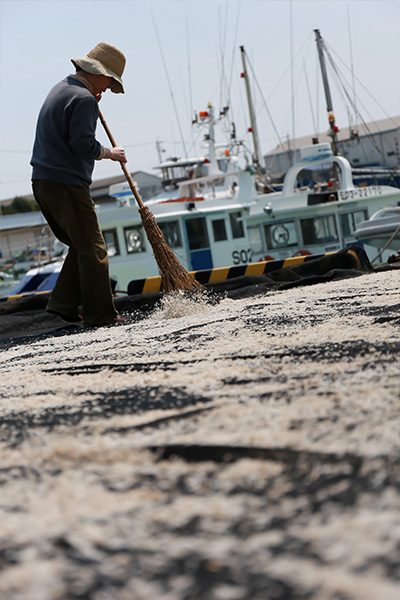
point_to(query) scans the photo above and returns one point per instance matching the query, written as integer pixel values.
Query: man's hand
(117, 154)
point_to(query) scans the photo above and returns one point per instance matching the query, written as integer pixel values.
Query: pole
(328, 97)
(257, 153)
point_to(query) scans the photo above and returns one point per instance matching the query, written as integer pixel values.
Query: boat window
(219, 230)
(255, 240)
(197, 233)
(111, 240)
(222, 165)
(350, 221)
(281, 235)
(134, 240)
(172, 234)
(319, 230)
(236, 225)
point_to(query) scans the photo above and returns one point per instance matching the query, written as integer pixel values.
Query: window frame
(268, 235)
(238, 222)
(114, 232)
(178, 229)
(138, 228)
(219, 220)
(318, 241)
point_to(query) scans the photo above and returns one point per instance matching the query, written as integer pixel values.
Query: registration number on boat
(372, 190)
(241, 256)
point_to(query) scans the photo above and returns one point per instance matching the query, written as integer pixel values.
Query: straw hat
(104, 59)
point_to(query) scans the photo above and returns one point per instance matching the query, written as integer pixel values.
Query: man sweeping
(63, 158)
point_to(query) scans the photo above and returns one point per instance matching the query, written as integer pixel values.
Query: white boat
(318, 209)
(382, 230)
(200, 213)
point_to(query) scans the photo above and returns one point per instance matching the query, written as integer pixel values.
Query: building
(149, 185)
(24, 235)
(375, 144)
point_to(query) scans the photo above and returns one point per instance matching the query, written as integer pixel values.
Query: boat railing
(191, 187)
(340, 163)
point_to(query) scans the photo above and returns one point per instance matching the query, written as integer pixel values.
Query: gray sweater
(65, 146)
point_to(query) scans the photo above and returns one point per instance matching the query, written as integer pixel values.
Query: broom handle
(123, 166)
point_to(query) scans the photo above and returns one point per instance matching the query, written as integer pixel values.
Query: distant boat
(382, 230)
(37, 279)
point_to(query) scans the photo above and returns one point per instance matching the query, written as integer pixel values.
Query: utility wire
(339, 79)
(169, 84)
(366, 90)
(309, 98)
(263, 98)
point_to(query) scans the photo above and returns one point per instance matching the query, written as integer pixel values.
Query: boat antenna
(234, 51)
(329, 106)
(292, 83)
(310, 101)
(223, 22)
(160, 150)
(253, 124)
(169, 86)
(354, 132)
(189, 68)
(189, 72)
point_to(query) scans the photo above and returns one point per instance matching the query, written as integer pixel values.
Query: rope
(356, 111)
(387, 244)
(346, 94)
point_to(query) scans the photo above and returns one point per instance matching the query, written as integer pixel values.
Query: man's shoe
(119, 320)
(76, 318)
(122, 320)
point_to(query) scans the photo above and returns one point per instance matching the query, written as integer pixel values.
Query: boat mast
(253, 129)
(207, 118)
(333, 129)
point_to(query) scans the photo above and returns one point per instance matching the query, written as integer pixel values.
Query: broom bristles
(173, 275)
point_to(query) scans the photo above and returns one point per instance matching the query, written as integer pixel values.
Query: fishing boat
(38, 279)
(200, 212)
(220, 218)
(382, 230)
(318, 209)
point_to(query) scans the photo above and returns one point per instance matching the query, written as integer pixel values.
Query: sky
(182, 54)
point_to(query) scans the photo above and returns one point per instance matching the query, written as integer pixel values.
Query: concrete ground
(242, 450)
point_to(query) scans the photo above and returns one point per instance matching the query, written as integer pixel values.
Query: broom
(173, 275)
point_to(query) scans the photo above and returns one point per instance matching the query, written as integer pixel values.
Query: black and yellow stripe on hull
(24, 295)
(152, 285)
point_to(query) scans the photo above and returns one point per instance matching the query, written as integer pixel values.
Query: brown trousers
(84, 278)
